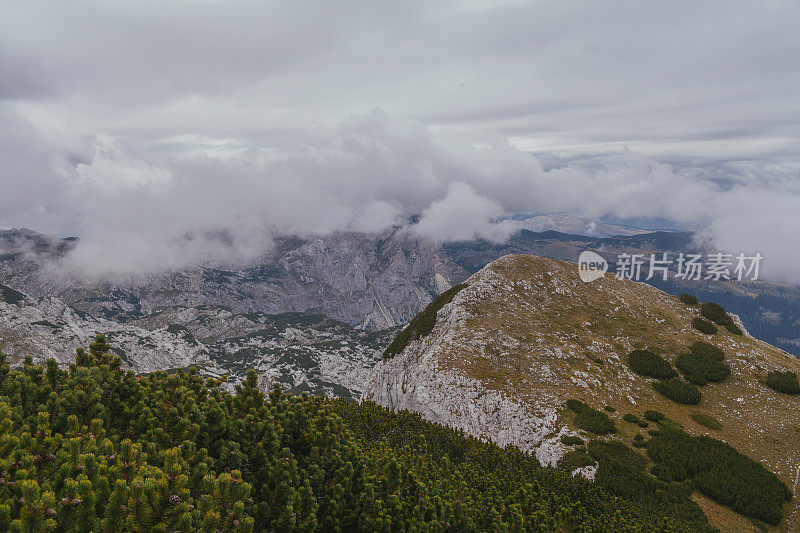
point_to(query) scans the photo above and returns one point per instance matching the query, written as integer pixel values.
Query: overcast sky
(171, 133)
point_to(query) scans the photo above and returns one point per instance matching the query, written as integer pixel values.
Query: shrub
(617, 450)
(689, 299)
(717, 314)
(678, 391)
(700, 369)
(708, 350)
(610, 409)
(785, 382)
(706, 420)
(720, 472)
(733, 328)
(591, 419)
(704, 326)
(632, 418)
(639, 441)
(646, 363)
(621, 471)
(714, 313)
(571, 440)
(654, 416)
(575, 459)
(422, 324)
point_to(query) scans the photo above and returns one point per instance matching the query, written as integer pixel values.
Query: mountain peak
(526, 334)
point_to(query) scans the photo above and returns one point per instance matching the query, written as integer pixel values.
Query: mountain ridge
(526, 335)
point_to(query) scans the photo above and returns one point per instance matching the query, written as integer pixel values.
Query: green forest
(94, 447)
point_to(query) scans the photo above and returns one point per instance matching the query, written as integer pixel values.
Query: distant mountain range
(369, 281)
(576, 225)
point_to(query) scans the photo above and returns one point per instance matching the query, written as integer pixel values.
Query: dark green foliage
(575, 459)
(571, 440)
(707, 349)
(633, 419)
(422, 324)
(704, 326)
(614, 449)
(733, 328)
(639, 441)
(648, 364)
(785, 382)
(97, 448)
(678, 391)
(610, 409)
(716, 313)
(700, 368)
(720, 472)
(591, 419)
(689, 299)
(654, 416)
(706, 420)
(622, 471)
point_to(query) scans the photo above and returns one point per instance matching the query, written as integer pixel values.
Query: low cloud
(138, 212)
(464, 215)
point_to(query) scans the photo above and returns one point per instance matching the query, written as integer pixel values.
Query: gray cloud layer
(171, 134)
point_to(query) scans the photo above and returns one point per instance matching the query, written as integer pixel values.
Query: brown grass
(540, 327)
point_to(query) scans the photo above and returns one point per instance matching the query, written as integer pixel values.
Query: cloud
(175, 134)
(464, 215)
(137, 214)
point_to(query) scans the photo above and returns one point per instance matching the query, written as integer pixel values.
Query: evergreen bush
(689, 299)
(704, 326)
(590, 419)
(715, 313)
(699, 368)
(707, 420)
(654, 416)
(422, 324)
(648, 364)
(571, 440)
(678, 390)
(785, 382)
(707, 349)
(720, 472)
(93, 447)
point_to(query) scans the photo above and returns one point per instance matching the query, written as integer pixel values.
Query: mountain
(301, 352)
(506, 355)
(576, 225)
(370, 281)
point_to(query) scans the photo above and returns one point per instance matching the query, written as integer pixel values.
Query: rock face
(370, 281)
(527, 334)
(300, 352)
(48, 328)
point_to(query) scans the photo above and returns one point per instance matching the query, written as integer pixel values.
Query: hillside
(301, 352)
(525, 335)
(92, 447)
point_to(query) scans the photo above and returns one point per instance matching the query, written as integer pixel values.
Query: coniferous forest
(94, 447)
